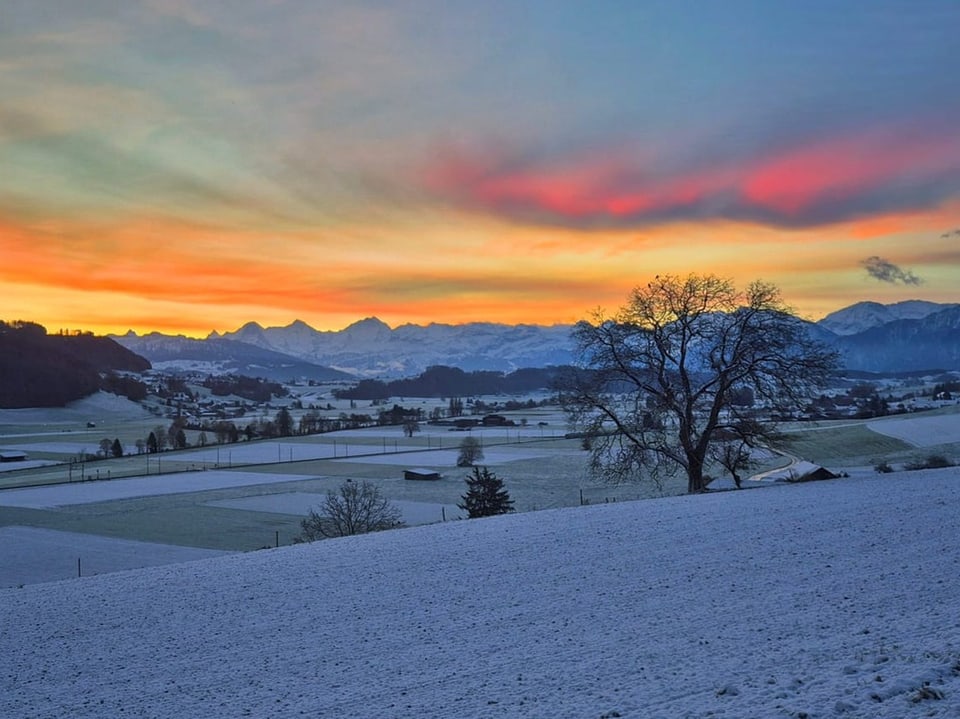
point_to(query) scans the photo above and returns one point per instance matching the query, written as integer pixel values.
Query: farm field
(33, 555)
(247, 496)
(921, 431)
(900, 439)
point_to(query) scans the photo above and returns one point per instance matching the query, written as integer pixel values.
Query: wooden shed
(421, 474)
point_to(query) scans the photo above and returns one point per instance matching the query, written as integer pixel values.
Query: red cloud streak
(816, 183)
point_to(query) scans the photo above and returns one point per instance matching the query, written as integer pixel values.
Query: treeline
(255, 389)
(440, 381)
(41, 370)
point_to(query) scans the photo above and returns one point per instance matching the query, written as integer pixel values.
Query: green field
(844, 444)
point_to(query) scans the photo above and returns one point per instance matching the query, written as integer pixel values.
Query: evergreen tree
(486, 495)
(116, 448)
(284, 423)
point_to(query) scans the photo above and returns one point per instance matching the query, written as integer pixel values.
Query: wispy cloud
(886, 271)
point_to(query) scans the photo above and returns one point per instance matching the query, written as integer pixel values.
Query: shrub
(934, 461)
(355, 508)
(471, 452)
(883, 468)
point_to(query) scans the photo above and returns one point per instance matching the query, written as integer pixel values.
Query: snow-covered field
(447, 458)
(34, 555)
(106, 490)
(258, 453)
(92, 408)
(300, 504)
(921, 431)
(837, 598)
(26, 464)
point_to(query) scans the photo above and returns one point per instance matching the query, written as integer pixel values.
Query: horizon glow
(188, 167)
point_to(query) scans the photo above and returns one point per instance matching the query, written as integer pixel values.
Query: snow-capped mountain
(866, 315)
(930, 342)
(370, 347)
(905, 336)
(217, 355)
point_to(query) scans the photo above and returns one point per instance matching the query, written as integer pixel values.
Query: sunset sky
(188, 166)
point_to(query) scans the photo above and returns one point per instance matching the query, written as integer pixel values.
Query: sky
(187, 166)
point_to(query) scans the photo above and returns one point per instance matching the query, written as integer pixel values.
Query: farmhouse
(497, 420)
(421, 474)
(13, 456)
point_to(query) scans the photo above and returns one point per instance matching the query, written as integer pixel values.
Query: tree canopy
(660, 385)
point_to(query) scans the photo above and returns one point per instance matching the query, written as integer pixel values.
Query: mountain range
(368, 348)
(902, 337)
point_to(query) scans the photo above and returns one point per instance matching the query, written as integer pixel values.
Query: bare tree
(160, 437)
(471, 452)
(355, 508)
(657, 382)
(411, 427)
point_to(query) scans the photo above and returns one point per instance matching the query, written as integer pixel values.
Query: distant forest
(41, 370)
(440, 381)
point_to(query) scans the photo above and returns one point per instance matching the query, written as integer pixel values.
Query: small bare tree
(355, 508)
(471, 452)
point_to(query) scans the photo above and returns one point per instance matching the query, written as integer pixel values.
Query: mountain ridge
(862, 316)
(870, 336)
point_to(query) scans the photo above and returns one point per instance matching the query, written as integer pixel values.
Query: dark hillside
(441, 381)
(41, 370)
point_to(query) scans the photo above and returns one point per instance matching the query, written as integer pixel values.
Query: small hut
(430, 475)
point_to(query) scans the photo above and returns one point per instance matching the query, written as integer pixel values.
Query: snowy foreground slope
(827, 599)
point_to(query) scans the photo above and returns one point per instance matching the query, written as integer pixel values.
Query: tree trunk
(695, 479)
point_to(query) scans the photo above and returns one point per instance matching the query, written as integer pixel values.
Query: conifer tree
(486, 495)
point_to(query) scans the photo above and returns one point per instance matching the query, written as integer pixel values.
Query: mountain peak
(369, 323)
(865, 315)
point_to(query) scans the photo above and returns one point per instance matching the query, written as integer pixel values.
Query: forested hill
(41, 370)
(441, 381)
